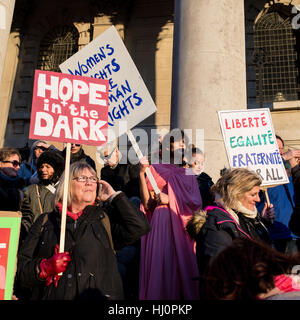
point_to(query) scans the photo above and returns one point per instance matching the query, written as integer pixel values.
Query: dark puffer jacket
(215, 229)
(92, 272)
(10, 192)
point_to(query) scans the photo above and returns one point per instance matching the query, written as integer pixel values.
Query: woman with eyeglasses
(10, 183)
(88, 265)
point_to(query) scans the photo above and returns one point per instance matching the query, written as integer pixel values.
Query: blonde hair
(75, 170)
(234, 184)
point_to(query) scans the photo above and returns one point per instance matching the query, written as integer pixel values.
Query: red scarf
(71, 214)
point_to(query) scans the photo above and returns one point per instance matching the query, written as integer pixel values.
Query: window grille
(275, 36)
(56, 47)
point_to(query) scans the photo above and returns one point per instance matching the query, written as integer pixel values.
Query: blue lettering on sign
(91, 61)
(111, 84)
(124, 108)
(245, 160)
(107, 71)
(120, 92)
(121, 97)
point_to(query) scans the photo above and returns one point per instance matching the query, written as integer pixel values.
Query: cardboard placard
(69, 108)
(9, 240)
(251, 143)
(106, 57)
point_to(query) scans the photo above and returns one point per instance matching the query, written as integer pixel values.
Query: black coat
(80, 156)
(124, 177)
(92, 272)
(10, 192)
(220, 229)
(205, 183)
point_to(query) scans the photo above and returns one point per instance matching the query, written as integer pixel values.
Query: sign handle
(140, 156)
(267, 196)
(65, 198)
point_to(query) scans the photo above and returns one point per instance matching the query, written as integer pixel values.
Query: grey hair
(75, 169)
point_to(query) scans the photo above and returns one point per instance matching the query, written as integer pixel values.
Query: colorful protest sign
(9, 240)
(69, 108)
(251, 143)
(106, 57)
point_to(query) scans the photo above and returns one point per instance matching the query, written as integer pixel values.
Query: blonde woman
(235, 215)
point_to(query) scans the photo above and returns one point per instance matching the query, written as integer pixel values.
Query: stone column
(6, 61)
(6, 14)
(209, 70)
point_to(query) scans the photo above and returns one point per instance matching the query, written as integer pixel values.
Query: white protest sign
(251, 143)
(106, 57)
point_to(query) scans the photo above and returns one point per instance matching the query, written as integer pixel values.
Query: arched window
(57, 46)
(277, 40)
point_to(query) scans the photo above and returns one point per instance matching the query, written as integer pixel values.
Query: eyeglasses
(15, 163)
(85, 179)
(40, 147)
(106, 158)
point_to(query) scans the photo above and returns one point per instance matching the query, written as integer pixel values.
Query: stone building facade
(195, 56)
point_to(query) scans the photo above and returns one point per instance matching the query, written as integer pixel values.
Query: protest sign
(130, 102)
(251, 143)
(106, 57)
(69, 108)
(9, 240)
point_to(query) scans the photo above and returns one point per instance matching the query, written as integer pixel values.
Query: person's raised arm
(144, 192)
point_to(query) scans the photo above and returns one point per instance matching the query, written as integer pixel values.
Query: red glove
(53, 266)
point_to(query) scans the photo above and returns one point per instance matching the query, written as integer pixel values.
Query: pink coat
(168, 260)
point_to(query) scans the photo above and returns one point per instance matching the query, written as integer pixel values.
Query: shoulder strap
(45, 219)
(106, 224)
(39, 198)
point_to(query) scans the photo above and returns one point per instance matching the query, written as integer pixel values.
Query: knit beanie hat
(55, 160)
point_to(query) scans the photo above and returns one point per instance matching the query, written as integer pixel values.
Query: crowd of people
(194, 239)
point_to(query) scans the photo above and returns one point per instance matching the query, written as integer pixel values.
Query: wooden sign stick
(65, 198)
(140, 156)
(267, 196)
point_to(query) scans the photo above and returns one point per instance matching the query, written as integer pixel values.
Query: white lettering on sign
(64, 89)
(82, 129)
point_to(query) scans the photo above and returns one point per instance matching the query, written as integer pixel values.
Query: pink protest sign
(69, 108)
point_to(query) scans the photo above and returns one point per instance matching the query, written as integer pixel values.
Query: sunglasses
(75, 144)
(15, 163)
(40, 147)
